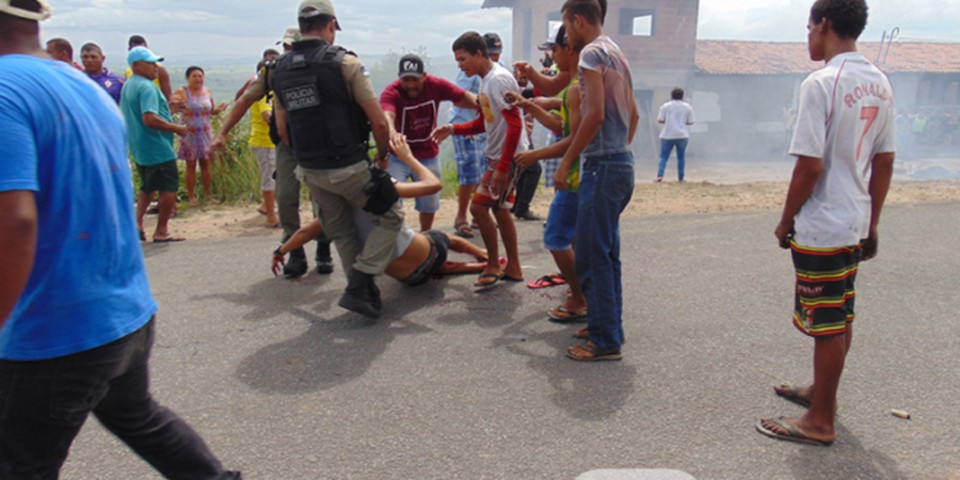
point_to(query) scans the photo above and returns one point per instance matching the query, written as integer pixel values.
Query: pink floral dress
(196, 117)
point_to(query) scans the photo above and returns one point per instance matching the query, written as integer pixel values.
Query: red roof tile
(731, 57)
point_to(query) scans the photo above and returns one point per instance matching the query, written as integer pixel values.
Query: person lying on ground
(417, 256)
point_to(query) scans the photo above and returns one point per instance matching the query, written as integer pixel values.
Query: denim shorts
(561, 221)
(401, 172)
(471, 164)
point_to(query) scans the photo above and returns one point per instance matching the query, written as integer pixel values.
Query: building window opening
(636, 22)
(552, 27)
(643, 26)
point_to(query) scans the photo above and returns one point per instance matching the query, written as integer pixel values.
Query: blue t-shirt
(148, 146)
(64, 141)
(111, 82)
(472, 85)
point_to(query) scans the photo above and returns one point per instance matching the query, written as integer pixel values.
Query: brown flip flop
(168, 239)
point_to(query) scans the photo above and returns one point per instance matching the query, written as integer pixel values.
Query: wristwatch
(277, 252)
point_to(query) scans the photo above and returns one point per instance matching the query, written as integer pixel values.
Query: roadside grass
(236, 175)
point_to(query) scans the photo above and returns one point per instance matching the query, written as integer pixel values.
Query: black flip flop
(481, 285)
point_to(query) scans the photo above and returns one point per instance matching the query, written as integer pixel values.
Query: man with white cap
(76, 312)
(411, 104)
(329, 133)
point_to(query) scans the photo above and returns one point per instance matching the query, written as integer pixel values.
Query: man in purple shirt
(92, 57)
(411, 104)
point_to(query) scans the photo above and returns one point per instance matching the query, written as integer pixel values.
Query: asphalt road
(283, 384)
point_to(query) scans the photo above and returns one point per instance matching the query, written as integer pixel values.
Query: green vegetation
(235, 173)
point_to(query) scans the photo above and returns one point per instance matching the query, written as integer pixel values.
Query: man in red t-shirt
(411, 104)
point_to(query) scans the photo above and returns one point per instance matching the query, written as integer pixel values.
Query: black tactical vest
(327, 127)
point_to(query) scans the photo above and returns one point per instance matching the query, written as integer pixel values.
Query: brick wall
(671, 47)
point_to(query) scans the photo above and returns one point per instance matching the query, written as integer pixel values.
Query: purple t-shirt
(111, 82)
(416, 118)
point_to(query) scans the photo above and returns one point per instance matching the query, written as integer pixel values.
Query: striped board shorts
(825, 293)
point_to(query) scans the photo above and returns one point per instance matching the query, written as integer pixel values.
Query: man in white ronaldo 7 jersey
(844, 144)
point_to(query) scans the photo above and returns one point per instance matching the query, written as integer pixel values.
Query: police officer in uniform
(326, 107)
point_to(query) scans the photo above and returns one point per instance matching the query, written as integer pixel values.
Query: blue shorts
(401, 172)
(561, 221)
(471, 164)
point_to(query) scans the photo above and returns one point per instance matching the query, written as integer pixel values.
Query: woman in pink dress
(195, 104)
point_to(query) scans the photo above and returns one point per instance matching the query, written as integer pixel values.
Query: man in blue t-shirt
(150, 130)
(76, 312)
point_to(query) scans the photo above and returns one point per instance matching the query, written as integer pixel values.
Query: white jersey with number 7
(846, 117)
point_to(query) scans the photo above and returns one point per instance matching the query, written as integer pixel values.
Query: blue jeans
(561, 226)
(606, 186)
(666, 146)
(401, 172)
(44, 403)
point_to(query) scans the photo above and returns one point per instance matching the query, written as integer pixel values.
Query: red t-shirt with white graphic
(417, 118)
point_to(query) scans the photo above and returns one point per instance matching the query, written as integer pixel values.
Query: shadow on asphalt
(846, 455)
(490, 308)
(578, 388)
(335, 350)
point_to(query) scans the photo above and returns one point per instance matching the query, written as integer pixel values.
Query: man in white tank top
(844, 144)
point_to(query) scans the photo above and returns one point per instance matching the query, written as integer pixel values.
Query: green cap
(290, 35)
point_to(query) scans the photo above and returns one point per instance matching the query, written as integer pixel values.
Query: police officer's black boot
(362, 295)
(297, 264)
(323, 258)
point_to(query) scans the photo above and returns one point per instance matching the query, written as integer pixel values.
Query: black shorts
(162, 177)
(439, 247)
(825, 292)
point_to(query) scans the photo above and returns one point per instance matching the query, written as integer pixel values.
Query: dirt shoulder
(229, 221)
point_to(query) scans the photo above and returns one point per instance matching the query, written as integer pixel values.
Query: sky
(221, 31)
